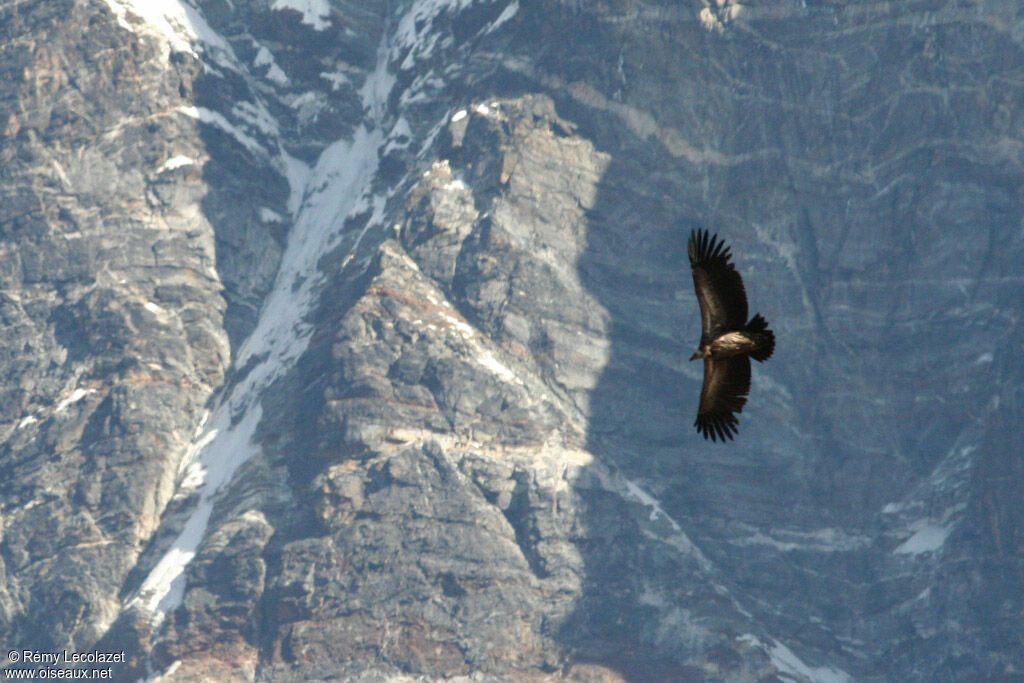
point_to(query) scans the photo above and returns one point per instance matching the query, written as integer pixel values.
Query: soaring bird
(727, 340)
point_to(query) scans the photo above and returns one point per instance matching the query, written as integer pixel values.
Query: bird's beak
(695, 355)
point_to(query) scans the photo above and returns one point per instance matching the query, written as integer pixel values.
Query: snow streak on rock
(178, 25)
(323, 198)
(792, 667)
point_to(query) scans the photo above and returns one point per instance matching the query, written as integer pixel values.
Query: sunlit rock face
(348, 340)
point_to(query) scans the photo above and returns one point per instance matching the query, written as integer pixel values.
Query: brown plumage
(727, 341)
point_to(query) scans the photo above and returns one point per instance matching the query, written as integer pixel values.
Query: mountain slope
(348, 340)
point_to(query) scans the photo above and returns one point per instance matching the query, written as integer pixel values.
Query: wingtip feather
(704, 246)
(717, 427)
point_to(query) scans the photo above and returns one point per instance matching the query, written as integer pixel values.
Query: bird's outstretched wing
(726, 385)
(720, 292)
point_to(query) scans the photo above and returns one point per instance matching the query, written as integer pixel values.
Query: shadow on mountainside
(640, 426)
(805, 462)
(644, 604)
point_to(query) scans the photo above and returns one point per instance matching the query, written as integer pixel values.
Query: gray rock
(381, 316)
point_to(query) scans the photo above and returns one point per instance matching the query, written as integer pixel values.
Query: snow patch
(255, 516)
(652, 598)
(308, 106)
(257, 117)
(709, 20)
(428, 142)
(399, 137)
(263, 57)
(928, 538)
(716, 19)
(175, 162)
(314, 12)
(785, 661)
(215, 118)
(423, 89)
(415, 30)
(166, 20)
(465, 329)
(489, 361)
(791, 666)
(225, 446)
(27, 421)
(820, 540)
(650, 501)
(270, 216)
(76, 396)
(334, 191)
(482, 109)
(335, 78)
(275, 73)
(176, 24)
(165, 674)
(297, 173)
(377, 87)
(506, 14)
(303, 101)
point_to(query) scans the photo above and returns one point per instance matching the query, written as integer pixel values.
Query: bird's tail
(758, 328)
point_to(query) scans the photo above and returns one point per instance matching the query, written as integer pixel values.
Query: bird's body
(728, 340)
(728, 345)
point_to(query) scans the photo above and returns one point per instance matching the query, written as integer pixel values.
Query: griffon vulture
(727, 340)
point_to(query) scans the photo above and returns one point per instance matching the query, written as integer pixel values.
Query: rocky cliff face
(348, 339)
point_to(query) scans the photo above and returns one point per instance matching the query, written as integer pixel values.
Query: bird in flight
(727, 340)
